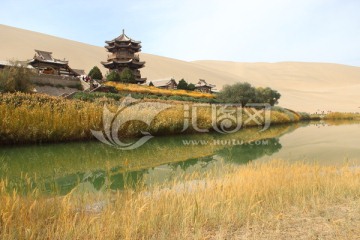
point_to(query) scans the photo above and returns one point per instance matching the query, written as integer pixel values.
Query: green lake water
(59, 168)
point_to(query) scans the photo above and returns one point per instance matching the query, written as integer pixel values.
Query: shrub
(15, 79)
(127, 76)
(244, 93)
(237, 93)
(267, 95)
(95, 73)
(191, 87)
(304, 116)
(113, 76)
(182, 84)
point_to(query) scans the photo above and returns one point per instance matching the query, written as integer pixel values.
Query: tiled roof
(203, 83)
(162, 82)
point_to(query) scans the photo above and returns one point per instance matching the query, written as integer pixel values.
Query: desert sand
(304, 86)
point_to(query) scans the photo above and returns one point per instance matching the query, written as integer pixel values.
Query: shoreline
(51, 120)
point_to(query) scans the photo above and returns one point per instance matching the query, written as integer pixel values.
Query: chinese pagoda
(124, 54)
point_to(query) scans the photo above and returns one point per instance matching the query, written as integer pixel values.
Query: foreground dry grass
(257, 201)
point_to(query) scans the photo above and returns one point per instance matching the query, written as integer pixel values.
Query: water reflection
(99, 180)
(247, 152)
(61, 168)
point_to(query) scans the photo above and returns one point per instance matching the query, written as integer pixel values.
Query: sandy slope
(304, 86)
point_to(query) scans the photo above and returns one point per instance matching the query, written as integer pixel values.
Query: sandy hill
(304, 86)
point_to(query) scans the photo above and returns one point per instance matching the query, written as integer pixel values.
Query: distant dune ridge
(304, 86)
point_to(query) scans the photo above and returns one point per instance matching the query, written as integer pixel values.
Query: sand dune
(304, 86)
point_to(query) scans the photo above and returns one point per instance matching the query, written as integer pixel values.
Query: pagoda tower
(124, 54)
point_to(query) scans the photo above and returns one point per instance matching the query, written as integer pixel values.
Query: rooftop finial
(123, 31)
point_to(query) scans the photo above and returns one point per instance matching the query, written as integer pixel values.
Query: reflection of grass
(54, 161)
(298, 200)
(337, 122)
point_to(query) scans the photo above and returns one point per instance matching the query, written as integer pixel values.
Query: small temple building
(46, 64)
(124, 54)
(168, 83)
(203, 86)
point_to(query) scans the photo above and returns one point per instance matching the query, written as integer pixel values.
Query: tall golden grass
(157, 91)
(260, 200)
(40, 118)
(340, 115)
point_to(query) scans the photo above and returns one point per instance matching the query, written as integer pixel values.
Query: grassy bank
(41, 118)
(257, 201)
(134, 88)
(342, 116)
(27, 118)
(96, 96)
(335, 116)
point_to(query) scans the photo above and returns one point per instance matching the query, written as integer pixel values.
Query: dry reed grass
(157, 91)
(40, 118)
(255, 201)
(340, 115)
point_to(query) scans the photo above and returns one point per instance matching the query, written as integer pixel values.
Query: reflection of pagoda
(123, 55)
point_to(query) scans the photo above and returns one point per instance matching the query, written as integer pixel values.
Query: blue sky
(244, 31)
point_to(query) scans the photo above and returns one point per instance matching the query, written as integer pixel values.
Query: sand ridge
(304, 86)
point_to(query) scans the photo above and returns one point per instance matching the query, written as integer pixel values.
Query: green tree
(191, 87)
(242, 93)
(267, 95)
(113, 76)
(275, 96)
(151, 84)
(182, 84)
(15, 79)
(95, 73)
(127, 76)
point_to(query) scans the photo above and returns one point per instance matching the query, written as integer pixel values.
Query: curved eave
(119, 45)
(57, 61)
(109, 47)
(122, 41)
(136, 47)
(123, 38)
(36, 60)
(128, 61)
(126, 41)
(129, 46)
(138, 63)
(209, 86)
(113, 64)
